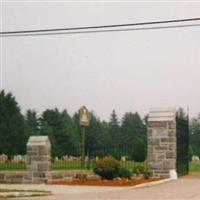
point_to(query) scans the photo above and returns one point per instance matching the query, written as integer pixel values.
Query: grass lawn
(64, 165)
(67, 165)
(70, 165)
(13, 166)
(194, 167)
(60, 165)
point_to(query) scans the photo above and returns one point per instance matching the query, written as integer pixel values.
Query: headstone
(195, 158)
(56, 159)
(38, 159)
(123, 158)
(3, 158)
(17, 159)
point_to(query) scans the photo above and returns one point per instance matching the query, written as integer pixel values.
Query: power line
(104, 28)
(104, 31)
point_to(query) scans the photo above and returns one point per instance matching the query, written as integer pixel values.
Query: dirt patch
(116, 182)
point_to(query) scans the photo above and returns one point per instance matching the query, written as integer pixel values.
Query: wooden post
(83, 148)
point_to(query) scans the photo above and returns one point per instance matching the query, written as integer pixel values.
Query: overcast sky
(125, 71)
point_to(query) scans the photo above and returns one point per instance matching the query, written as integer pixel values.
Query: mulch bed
(116, 182)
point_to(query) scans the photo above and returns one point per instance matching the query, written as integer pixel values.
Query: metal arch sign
(84, 116)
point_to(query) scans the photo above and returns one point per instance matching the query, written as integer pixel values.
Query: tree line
(64, 131)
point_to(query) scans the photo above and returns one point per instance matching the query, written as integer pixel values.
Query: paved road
(186, 188)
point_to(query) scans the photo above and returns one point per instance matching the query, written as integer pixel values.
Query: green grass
(60, 165)
(194, 166)
(73, 165)
(13, 166)
(70, 165)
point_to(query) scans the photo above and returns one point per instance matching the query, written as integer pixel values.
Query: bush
(138, 168)
(143, 169)
(147, 172)
(125, 173)
(107, 167)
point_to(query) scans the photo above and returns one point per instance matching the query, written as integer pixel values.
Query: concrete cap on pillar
(162, 115)
(38, 141)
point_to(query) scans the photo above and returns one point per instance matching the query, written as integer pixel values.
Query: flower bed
(114, 182)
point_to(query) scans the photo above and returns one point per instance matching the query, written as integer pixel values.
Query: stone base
(12, 176)
(50, 177)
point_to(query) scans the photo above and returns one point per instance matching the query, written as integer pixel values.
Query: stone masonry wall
(38, 159)
(162, 147)
(55, 176)
(12, 176)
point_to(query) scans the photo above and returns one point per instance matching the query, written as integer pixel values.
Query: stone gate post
(38, 159)
(162, 152)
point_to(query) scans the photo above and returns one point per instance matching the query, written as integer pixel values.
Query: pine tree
(12, 127)
(114, 130)
(195, 135)
(31, 123)
(60, 128)
(93, 139)
(133, 130)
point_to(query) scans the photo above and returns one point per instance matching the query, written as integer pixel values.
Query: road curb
(154, 183)
(15, 194)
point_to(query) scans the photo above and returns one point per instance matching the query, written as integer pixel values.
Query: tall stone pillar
(162, 152)
(38, 159)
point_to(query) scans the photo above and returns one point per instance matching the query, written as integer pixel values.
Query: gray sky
(127, 71)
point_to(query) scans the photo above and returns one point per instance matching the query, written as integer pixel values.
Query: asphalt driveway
(186, 188)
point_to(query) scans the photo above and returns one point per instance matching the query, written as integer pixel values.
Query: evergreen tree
(181, 113)
(12, 134)
(114, 130)
(93, 139)
(106, 139)
(78, 129)
(60, 128)
(31, 123)
(132, 127)
(133, 131)
(195, 135)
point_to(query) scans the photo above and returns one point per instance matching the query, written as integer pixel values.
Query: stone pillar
(162, 143)
(38, 159)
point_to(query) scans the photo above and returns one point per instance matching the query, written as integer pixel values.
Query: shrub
(138, 168)
(107, 167)
(125, 173)
(147, 172)
(142, 168)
